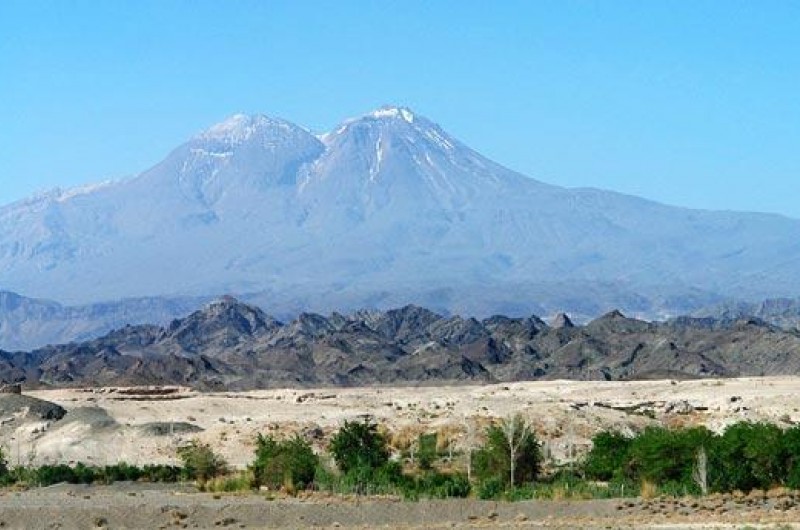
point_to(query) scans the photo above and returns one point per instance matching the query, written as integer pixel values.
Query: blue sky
(690, 103)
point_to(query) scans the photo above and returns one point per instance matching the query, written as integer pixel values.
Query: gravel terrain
(145, 506)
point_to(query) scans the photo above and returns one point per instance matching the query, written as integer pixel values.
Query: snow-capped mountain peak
(240, 128)
(395, 159)
(393, 124)
(390, 111)
(386, 116)
(234, 160)
(388, 206)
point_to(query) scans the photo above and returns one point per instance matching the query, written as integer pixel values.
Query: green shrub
(389, 473)
(426, 452)
(749, 455)
(359, 445)
(356, 482)
(666, 457)
(241, 481)
(80, 473)
(120, 472)
(5, 472)
(435, 485)
(279, 463)
(47, 475)
(791, 445)
(161, 473)
(85, 474)
(387, 479)
(511, 453)
(519, 493)
(326, 479)
(491, 488)
(607, 457)
(200, 462)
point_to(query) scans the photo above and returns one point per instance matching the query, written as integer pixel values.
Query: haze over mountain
(387, 209)
(781, 312)
(28, 323)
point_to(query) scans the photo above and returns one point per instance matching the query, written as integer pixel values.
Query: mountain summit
(384, 210)
(393, 161)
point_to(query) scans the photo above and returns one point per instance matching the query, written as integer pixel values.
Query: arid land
(140, 426)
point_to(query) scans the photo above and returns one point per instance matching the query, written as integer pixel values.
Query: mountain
(27, 323)
(231, 345)
(385, 210)
(781, 312)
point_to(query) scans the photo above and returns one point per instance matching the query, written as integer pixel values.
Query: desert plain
(147, 425)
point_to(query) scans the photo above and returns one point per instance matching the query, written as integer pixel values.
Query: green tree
(200, 462)
(511, 452)
(749, 455)
(359, 445)
(791, 446)
(667, 456)
(279, 462)
(607, 457)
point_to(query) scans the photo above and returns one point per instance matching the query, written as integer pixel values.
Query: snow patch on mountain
(70, 193)
(393, 112)
(240, 127)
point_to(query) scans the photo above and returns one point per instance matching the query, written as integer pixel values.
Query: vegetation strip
(746, 458)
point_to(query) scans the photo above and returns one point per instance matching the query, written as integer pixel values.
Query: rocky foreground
(232, 346)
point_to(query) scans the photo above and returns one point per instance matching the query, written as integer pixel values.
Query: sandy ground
(145, 506)
(108, 425)
(565, 413)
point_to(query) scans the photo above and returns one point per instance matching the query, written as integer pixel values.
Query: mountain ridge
(27, 323)
(386, 209)
(231, 345)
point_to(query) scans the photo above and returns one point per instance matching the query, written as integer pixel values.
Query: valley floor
(140, 506)
(138, 426)
(143, 426)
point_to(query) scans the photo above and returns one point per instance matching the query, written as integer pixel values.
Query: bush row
(508, 465)
(745, 456)
(80, 473)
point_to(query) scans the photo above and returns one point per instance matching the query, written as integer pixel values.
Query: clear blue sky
(694, 103)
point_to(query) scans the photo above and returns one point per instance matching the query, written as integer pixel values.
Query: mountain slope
(231, 345)
(782, 312)
(385, 210)
(26, 323)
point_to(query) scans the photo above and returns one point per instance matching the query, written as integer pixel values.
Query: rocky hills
(231, 345)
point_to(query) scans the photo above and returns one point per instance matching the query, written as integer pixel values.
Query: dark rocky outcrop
(159, 428)
(232, 345)
(12, 405)
(16, 388)
(562, 320)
